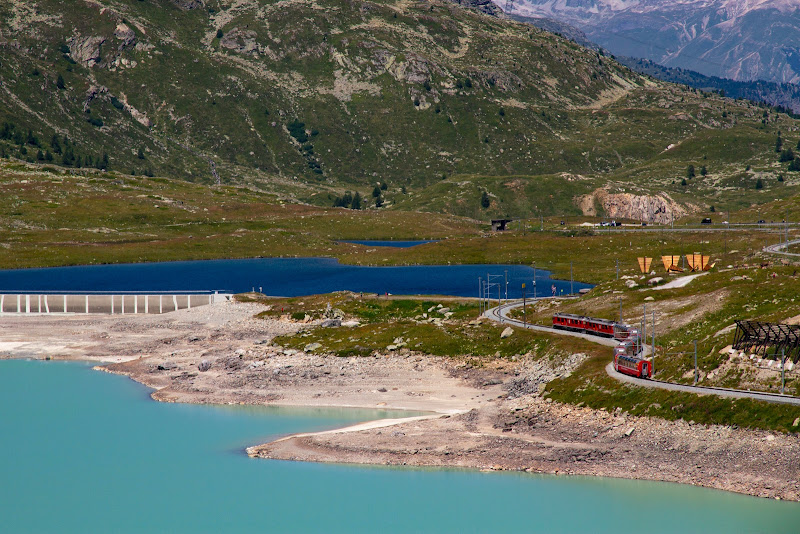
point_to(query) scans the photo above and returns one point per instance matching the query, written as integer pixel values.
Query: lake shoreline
(479, 425)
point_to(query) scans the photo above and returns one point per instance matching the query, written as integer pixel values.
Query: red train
(589, 325)
(627, 354)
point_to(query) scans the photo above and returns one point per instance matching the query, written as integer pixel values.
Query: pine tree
(356, 204)
(140, 154)
(60, 82)
(104, 164)
(376, 192)
(703, 171)
(690, 172)
(759, 184)
(485, 200)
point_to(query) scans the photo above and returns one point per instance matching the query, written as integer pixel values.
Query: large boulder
(507, 333)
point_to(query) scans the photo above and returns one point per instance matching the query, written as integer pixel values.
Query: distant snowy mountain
(737, 39)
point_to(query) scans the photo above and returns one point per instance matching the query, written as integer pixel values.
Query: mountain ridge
(738, 39)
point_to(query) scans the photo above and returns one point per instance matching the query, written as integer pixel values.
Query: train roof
(583, 318)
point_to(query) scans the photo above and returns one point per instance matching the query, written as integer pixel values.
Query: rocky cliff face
(737, 39)
(660, 209)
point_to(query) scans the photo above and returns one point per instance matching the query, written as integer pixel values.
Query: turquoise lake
(84, 451)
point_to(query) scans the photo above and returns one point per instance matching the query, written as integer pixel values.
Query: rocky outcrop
(649, 208)
(241, 41)
(124, 33)
(484, 6)
(93, 92)
(86, 50)
(188, 4)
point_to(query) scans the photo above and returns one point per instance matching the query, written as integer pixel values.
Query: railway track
(500, 314)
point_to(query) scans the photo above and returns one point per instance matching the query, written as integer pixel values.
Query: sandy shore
(488, 418)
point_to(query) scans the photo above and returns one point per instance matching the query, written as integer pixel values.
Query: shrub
(759, 184)
(485, 200)
(297, 130)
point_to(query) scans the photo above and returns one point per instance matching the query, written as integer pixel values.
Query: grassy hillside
(307, 99)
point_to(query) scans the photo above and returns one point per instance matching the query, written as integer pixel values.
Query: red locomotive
(627, 354)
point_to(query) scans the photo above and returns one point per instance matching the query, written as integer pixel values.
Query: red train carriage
(631, 365)
(626, 353)
(589, 325)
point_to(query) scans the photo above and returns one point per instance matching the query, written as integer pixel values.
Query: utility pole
(696, 374)
(653, 350)
(541, 218)
(644, 325)
(617, 268)
(534, 280)
(571, 289)
(620, 310)
(524, 316)
(506, 271)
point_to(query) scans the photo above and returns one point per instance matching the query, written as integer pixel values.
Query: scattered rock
(350, 324)
(204, 366)
(629, 431)
(631, 284)
(655, 281)
(166, 366)
(649, 299)
(312, 347)
(796, 422)
(330, 323)
(507, 332)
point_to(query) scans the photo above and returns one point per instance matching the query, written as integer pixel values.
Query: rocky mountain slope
(444, 107)
(737, 39)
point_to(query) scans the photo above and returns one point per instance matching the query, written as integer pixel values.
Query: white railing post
(87, 303)
(19, 303)
(147, 304)
(2, 298)
(175, 302)
(135, 304)
(46, 306)
(188, 302)
(112, 304)
(161, 304)
(27, 303)
(65, 304)
(122, 299)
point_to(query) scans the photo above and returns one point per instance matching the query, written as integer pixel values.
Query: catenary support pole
(653, 349)
(571, 288)
(696, 374)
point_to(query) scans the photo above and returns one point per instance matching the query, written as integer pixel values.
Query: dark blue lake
(395, 244)
(288, 277)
